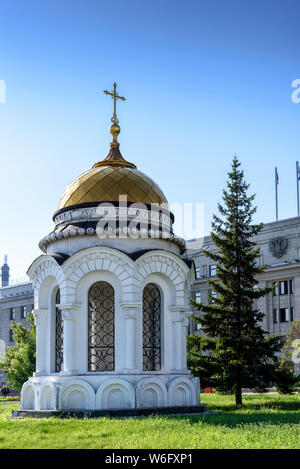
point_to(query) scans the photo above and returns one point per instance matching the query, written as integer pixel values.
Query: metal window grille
(101, 327)
(151, 328)
(59, 336)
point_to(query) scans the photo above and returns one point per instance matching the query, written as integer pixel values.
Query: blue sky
(203, 80)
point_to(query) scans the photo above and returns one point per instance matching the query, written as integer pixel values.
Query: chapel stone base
(196, 409)
(98, 394)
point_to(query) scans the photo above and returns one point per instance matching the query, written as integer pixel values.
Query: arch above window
(101, 327)
(151, 328)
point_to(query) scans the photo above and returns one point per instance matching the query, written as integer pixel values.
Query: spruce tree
(235, 351)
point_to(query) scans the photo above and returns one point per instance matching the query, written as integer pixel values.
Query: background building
(280, 251)
(15, 302)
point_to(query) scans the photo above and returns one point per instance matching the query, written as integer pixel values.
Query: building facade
(16, 301)
(280, 251)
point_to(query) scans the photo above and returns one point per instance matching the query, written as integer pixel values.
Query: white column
(130, 315)
(179, 319)
(178, 336)
(40, 321)
(69, 316)
(185, 326)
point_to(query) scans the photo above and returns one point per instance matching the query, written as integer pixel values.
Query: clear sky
(203, 80)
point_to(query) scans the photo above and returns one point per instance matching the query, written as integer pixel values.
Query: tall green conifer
(235, 351)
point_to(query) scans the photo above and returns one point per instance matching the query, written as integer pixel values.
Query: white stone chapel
(111, 296)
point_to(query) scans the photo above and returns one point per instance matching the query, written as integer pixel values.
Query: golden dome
(112, 177)
(107, 180)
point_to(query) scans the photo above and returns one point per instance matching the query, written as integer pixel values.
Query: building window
(283, 287)
(198, 297)
(101, 324)
(275, 291)
(284, 314)
(212, 270)
(59, 336)
(212, 295)
(11, 335)
(196, 326)
(151, 328)
(275, 316)
(292, 314)
(23, 312)
(12, 314)
(197, 273)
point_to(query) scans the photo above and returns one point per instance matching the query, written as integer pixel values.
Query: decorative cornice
(111, 233)
(134, 212)
(95, 205)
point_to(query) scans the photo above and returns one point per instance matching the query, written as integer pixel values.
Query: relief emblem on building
(278, 246)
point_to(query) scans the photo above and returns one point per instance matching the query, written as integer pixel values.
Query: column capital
(73, 306)
(69, 311)
(40, 316)
(130, 310)
(180, 309)
(179, 313)
(40, 312)
(133, 305)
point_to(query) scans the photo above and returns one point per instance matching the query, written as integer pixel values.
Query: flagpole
(276, 192)
(297, 179)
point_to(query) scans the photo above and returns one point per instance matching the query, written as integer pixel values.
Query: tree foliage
(19, 361)
(291, 343)
(287, 381)
(234, 351)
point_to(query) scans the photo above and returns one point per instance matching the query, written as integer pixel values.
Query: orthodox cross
(115, 96)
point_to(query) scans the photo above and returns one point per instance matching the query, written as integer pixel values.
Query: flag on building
(276, 192)
(297, 180)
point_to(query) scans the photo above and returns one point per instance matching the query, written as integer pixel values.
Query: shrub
(285, 380)
(19, 361)
(4, 390)
(259, 389)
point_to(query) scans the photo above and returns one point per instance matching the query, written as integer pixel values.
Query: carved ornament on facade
(278, 246)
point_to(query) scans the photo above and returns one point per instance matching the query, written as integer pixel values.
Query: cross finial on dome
(115, 128)
(114, 157)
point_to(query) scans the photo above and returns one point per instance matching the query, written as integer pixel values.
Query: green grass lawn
(264, 421)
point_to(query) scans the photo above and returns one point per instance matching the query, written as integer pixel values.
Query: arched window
(151, 328)
(101, 327)
(59, 336)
